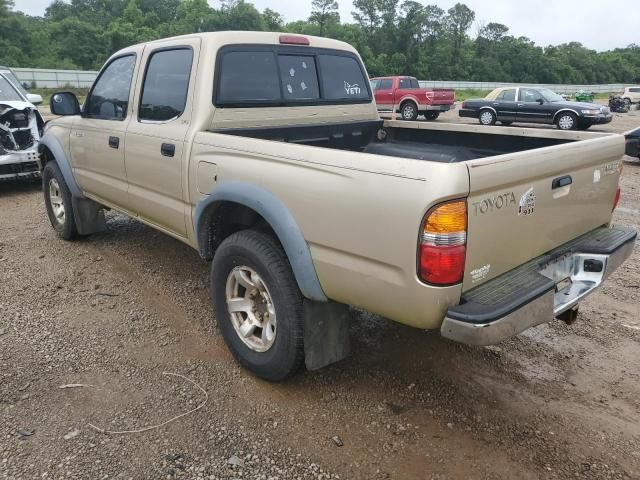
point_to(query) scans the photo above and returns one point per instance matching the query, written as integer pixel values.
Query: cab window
(385, 84)
(109, 98)
(165, 85)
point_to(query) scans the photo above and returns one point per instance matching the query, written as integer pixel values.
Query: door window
(634, 90)
(529, 95)
(507, 95)
(374, 84)
(385, 84)
(165, 85)
(109, 97)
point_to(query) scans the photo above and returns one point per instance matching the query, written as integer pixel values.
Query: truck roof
(220, 39)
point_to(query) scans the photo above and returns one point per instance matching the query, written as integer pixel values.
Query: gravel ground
(114, 311)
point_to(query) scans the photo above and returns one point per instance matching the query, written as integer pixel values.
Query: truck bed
(441, 142)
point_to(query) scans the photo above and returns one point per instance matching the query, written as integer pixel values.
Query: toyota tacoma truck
(407, 97)
(266, 154)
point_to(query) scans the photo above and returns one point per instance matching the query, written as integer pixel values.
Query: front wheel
(487, 117)
(409, 111)
(627, 101)
(258, 305)
(57, 200)
(567, 121)
(431, 115)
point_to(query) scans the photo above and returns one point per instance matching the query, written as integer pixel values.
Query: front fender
(51, 142)
(277, 216)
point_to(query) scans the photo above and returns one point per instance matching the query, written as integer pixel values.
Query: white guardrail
(49, 78)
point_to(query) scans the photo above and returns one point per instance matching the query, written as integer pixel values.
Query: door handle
(561, 182)
(495, 104)
(114, 142)
(521, 104)
(168, 149)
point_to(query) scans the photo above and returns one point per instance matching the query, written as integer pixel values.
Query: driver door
(97, 137)
(530, 108)
(505, 105)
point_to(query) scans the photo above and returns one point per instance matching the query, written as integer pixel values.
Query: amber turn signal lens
(447, 218)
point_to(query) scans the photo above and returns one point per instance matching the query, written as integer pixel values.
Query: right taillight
(442, 249)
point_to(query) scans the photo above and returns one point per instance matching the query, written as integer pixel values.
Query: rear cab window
(272, 75)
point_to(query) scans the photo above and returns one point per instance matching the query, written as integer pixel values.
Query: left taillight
(442, 246)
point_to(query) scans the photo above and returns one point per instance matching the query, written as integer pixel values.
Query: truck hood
(16, 104)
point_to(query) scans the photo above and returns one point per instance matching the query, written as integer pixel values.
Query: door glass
(404, 83)
(529, 95)
(165, 86)
(385, 84)
(109, 98)
(508, 95)
(374, 84)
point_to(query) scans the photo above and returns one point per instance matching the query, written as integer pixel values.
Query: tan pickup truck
(265, 152)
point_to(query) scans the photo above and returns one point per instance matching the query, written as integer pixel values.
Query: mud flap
(326, 333)
(89, 216)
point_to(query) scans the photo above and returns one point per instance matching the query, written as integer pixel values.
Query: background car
(21, 127)
(534, 105)
(631, 95)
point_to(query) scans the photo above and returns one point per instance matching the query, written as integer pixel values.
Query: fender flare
(555, 115)
(278, 217)
(61, 159)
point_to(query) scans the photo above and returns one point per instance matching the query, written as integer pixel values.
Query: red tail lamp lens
(442, 265)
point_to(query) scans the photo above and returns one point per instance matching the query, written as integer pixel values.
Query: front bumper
(19, 164)
(598, 119)
(539, 290)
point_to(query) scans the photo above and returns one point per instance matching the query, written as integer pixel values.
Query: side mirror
(34, 98)
(64, 103)
(540, 101)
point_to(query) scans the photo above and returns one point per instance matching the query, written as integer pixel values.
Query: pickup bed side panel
(360, 215)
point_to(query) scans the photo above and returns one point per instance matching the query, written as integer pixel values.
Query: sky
(597, 24)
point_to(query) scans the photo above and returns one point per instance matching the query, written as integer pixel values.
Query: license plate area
(575, 276)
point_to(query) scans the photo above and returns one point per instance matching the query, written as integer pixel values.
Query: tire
(627, 101)
(255, 259)
(430, 115)
(57, 200)
(567, 121)
(409, 111)
(506, 124)
(487, 117)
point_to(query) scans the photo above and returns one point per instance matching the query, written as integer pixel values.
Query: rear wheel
(567, 121)
(431, 115)
(627, 101)
(487, 117)
(409, 111)
(258, 305)
(57, 200)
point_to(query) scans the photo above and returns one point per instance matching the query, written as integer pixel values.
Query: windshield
(550, 96)
(16, 83)
(8, 92)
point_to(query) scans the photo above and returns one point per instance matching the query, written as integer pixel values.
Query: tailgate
(443, 96)
(525, 204)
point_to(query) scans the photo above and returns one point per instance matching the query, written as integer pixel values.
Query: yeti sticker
(527, 202)
(352, 89)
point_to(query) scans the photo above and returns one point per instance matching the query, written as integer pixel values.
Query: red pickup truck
(409, 99)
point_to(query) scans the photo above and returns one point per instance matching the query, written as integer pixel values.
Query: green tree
(324, 12)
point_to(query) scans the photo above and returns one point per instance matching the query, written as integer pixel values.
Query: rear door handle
(561, 182)
(521, 104)
(168, 149)
(114, 142)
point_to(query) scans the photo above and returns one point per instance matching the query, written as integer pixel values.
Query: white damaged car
(20, 129)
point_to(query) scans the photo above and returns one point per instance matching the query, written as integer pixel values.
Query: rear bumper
(539, 290)
(438, 108)
(466, 112)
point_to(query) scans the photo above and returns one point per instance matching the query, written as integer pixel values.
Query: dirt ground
(114, 311)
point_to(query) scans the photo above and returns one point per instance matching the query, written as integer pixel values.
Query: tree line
(393, 37)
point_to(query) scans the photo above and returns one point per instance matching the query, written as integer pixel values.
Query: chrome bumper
(556, 284)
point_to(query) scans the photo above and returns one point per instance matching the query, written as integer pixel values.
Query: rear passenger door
(505, 105)
(384, 94)
(154, 153)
